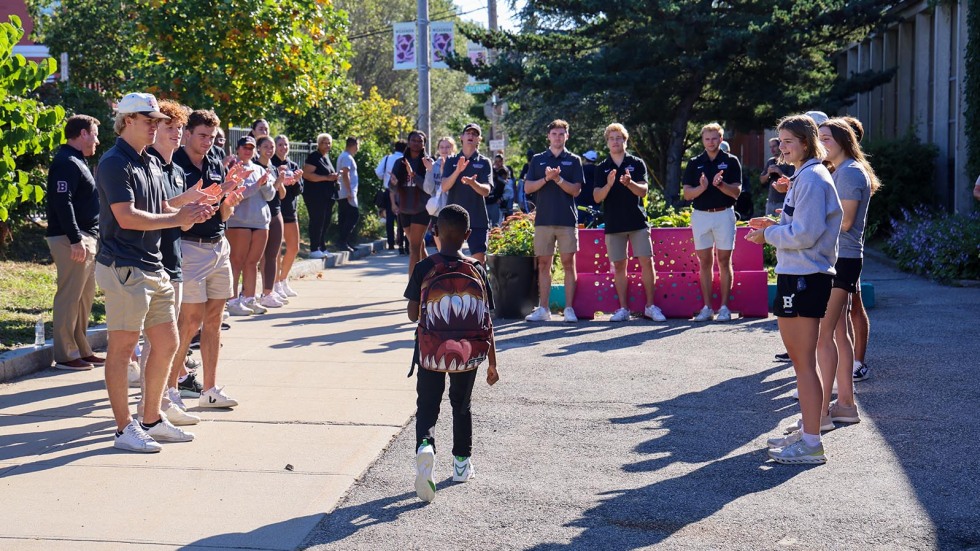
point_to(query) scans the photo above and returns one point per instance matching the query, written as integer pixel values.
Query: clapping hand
(626, 179)
(717, 181)
(552, 174)
(781, 185)
(469, 180)
(428, 162)
(611, 178)
(462, 164)
(761, 222)
(756, 236)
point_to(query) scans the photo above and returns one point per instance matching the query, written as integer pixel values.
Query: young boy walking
(449, 295)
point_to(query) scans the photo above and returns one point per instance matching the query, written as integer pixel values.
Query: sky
(505, 16)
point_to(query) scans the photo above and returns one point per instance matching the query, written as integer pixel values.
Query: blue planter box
(867, 294)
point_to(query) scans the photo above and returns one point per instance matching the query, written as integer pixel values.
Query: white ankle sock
(811, 440)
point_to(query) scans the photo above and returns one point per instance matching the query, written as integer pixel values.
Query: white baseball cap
(144, 104)
(591, 155)
(818, 117)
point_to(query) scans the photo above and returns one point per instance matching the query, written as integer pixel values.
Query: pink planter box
(677, 291)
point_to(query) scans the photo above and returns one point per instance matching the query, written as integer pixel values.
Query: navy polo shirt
(554, 207)
(125, 176)
(465, 196)
(212, 172)
(713, 198)
(72, 201)
(173, 185)
(623, 210)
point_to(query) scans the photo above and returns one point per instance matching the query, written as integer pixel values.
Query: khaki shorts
(207, 271)
(134, 298)
(713, 229)
(640, 239)
(545, 237)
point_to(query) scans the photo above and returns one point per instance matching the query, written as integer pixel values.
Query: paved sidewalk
(322, 386)
(642, 435)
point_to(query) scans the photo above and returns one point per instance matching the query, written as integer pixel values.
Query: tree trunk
(678, 135)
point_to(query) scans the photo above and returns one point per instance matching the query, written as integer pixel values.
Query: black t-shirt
(125, 176)
(173, 185)
(414, 289)
(288, 203)
(554, 207)
(411, 195)
(72, 200)
(322, 167)
(788, 170)
(212, 172)
(463, 195)
(623, 210)
(713, 198)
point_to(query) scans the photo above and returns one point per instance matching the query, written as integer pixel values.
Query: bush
(905, 168)
(515, 237)
(945, 247)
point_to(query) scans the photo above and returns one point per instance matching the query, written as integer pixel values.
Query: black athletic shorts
(405, 220)
(477, 240)
(804, 296)
(848, 274)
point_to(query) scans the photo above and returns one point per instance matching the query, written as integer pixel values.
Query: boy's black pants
(430, 387)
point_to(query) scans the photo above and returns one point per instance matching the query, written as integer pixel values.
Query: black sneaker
(196, 341)
(189, 387)
(862, 373)
(784, 357)
(225, 326)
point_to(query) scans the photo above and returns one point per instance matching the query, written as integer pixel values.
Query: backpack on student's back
(454, 329)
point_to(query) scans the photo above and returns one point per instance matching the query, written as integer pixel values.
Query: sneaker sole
(850, 420)
(137, 450)
(176, 439)
(222, 405)
(819, 460)
(425, 487)
(864, 378)
(70, 368)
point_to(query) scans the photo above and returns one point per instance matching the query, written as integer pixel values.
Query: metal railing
(298, 151)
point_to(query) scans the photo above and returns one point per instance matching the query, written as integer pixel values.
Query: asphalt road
(626, 436)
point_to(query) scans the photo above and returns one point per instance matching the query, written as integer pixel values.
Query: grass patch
(28, 279)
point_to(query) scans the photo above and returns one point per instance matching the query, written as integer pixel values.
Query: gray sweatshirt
(253, 212)
(807, 233)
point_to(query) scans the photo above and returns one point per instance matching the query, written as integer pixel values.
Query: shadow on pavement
(287, 534)
(692, 428)
(346, 521)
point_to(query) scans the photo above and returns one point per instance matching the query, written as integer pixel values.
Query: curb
(28, 359)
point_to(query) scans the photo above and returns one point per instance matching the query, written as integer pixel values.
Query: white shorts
(713, 229)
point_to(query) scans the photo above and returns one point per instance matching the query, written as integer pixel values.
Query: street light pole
(492, 57)
(422, 51)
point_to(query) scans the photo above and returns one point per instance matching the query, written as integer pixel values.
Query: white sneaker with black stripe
(215, 397)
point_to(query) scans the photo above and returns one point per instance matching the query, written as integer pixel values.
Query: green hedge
(905, 167)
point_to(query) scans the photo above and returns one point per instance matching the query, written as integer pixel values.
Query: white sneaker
(286, 289)
(270, 301)
(165, 431)
(225, 315)
(654, 313)
(620, 315)
(724, 314)
(135, 439)
(317, 255)
(706, 314)
(237, 307)
(179, 417)
(462, 469)
(133, 374)
(280, 295)
(570, 315)
(174, 395)
(254, 306)
(425, 484)
(215, 397)
(539, 314)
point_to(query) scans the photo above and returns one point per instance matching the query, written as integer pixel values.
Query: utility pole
(492, 57)
(422, 57)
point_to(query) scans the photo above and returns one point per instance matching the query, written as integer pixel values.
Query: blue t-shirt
(554, 207)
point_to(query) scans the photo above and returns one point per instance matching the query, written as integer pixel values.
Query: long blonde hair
(845, 137)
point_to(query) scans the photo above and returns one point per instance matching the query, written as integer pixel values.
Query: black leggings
(318, 197)
(270, 258)
(430, 387)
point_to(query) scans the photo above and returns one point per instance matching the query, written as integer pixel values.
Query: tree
(96, 35)
(659, 66)
(28, 128)
(241, 58)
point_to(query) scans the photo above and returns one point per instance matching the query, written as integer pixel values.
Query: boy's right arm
(492, 376)
(413, 310)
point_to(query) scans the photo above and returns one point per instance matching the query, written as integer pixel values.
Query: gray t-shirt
(346, 160)
(853, 184)
(125, 176)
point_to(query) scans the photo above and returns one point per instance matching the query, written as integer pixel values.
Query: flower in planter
(515, 237)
